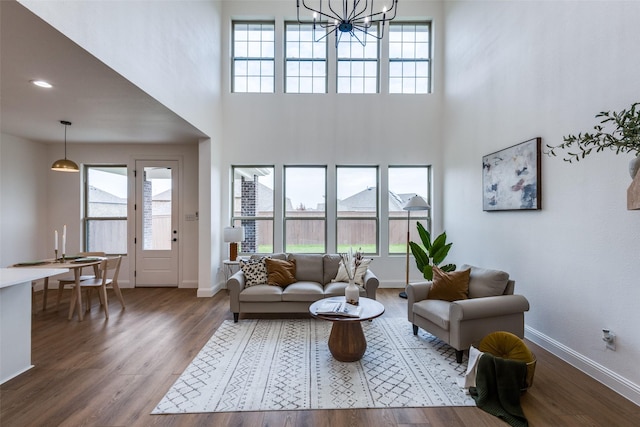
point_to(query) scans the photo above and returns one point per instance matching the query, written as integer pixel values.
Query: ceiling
(102, 106)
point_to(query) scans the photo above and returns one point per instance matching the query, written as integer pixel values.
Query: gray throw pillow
(484, 282)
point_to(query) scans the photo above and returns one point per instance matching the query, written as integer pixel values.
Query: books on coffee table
(337, 308)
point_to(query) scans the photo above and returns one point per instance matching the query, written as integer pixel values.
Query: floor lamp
(416, 203)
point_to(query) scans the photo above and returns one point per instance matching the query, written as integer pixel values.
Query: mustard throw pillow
(280, 272)
(451, 286)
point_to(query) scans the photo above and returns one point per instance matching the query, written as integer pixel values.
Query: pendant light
(65, 165)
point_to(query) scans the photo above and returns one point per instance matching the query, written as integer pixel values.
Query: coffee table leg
(347, 342)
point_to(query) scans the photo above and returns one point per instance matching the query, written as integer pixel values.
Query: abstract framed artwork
(511, 178)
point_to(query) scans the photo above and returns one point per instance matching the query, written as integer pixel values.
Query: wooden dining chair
(108, 276)
(71, 281)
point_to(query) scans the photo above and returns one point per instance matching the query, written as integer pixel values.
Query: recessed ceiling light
(41, 83)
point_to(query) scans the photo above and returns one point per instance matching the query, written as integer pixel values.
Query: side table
(229, 268)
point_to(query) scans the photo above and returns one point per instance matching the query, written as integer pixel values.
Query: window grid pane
(357, 208)
(253, 207)
(305, 60)
(357, 68)
(409, 58)
(105, 209)
(305, 214)
(404, 183)
(254, 57)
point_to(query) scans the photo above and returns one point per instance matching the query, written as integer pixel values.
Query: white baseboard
(189, 284)
(615, 382)
(390, 284)
(209, 292)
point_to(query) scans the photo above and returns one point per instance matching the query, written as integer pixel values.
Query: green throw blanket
(497, 390)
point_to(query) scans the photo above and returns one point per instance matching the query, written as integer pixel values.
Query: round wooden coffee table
(347, 342)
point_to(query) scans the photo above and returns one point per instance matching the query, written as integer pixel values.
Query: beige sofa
(491, 307)
(314, 274)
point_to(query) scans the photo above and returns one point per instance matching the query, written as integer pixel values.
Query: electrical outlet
(610, 339)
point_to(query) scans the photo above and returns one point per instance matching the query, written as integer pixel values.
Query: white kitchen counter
(15, 317)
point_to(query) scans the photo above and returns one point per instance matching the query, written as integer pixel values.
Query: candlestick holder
(63, 258)
(56, 258)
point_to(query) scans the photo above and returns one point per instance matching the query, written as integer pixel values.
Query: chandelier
(355, 17)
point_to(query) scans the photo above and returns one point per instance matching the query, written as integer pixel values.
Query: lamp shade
(233, 234)
(65, 165)
(416, 203)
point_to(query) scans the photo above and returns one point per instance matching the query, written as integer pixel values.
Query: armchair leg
(415, 330)
(235, 317)
(459, 356)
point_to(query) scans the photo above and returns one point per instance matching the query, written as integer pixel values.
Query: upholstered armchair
(491, 306)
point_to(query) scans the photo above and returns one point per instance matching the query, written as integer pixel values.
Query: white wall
(169, 49)
(330, 129)
(518, 70)
(65, 198)
(24, 202)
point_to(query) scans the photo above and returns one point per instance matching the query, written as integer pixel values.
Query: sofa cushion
(261, 293)
(280, 272)
(331, 263)
(450, 286)
(308, 267)
(306, 291)
(434, 310)
(484, 282)
(254, 270)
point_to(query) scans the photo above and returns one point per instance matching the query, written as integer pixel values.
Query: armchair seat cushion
(303, 291)
(261, 293)
(436, 311)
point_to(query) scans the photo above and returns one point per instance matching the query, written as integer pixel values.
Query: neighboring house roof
(165, 196)
(361, 201)
(97, 195)
(365, 200)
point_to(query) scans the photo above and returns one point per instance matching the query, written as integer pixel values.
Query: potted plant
(618, 131)
(433, 253)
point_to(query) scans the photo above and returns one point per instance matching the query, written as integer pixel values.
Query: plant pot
(634, 166)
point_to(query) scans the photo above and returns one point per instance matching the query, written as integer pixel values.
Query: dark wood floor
(113, 373)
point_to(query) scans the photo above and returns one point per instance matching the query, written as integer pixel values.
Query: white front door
(156, 223)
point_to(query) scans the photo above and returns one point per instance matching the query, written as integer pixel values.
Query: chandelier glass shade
(354, 17)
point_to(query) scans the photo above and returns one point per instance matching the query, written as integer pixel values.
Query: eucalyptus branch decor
(618, 131)
(351, 261)
(434, 254)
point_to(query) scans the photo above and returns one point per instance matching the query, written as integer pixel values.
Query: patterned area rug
(264, 365)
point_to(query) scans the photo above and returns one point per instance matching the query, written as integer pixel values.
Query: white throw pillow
(342, 275)
(362, 269)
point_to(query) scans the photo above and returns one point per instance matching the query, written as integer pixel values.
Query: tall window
(357, 208)
(305, 209)
(409, 58)
(404, 183)
(253, 57)
(305, 59)
(253, 201)
(105, 209)
(358, 64)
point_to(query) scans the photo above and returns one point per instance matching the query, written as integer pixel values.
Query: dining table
(75, 264)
